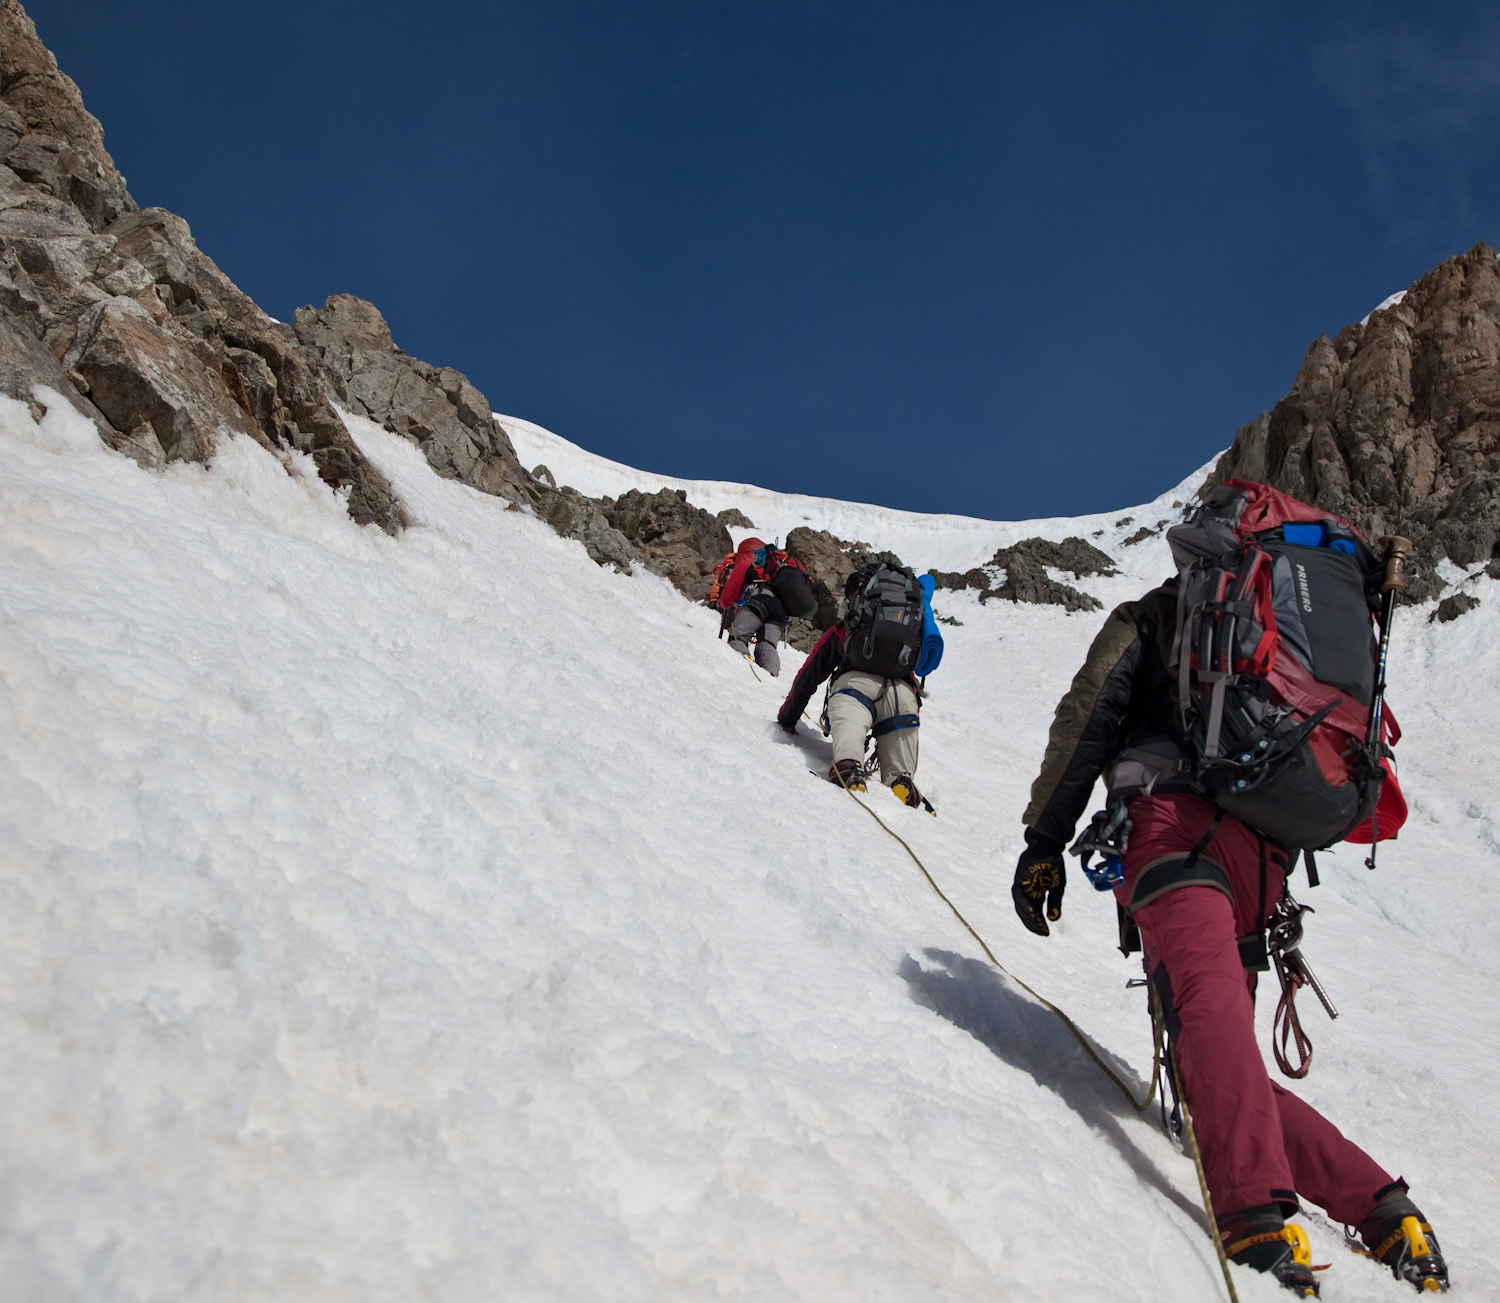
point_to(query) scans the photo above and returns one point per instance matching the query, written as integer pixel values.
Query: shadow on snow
(975, 997)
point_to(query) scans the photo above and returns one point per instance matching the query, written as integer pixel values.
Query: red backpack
(1276, 657)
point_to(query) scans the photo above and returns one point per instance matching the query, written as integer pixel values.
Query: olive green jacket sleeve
(1087, 729)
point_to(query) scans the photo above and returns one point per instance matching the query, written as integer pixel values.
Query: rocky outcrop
(829, 561)
(1025, 565)
(573, 515)
(437, 408)
(672, 537)
(1395, 423)
(734, 518)
(1450, 608)
(154, 343)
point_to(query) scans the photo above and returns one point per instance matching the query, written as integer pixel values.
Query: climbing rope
(1191, 1137)
(1142, 1105)
(1156, 1051)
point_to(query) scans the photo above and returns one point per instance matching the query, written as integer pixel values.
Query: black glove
(1040, 878)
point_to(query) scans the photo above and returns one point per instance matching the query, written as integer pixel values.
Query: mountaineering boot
(906, 791)
(846, 773)
(1264, 1241)
(1397, 1235)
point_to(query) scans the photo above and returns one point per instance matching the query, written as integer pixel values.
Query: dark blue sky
(1007, 260)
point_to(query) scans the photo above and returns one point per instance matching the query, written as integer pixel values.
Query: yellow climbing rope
(1139, 1106)
(1208, 1204)
(1156, 1054)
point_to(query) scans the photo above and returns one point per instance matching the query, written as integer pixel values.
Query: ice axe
(1396, 549)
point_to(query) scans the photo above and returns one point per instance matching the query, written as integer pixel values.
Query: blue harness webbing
(859, 697)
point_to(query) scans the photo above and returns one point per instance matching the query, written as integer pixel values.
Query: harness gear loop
(1293, 973)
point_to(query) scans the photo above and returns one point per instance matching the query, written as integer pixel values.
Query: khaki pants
(891, 714)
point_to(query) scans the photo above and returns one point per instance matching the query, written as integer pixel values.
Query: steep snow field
(444, 917)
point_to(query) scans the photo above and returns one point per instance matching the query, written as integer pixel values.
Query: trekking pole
(1394, 582)
(1396, 549)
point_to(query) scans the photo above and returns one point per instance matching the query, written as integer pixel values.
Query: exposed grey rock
(674, 538)
(139, 374)
(953, 580)
(124, 307)
(1026, 578)
(437, 408)
(733, 517)
(1074, 555)
(573, 515)
(1450, 608)
(48, 137)
(541, 473)
(802, 634)
(1395, 424)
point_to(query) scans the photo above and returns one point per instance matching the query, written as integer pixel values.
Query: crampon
(1283, 1253)
(1411, 1252)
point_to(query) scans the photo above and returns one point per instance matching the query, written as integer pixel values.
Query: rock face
(1026, 579)
(435, 407)
(573, 515)
(828, 567)
(145, 335)
(119, 312)
(673, 538)
(1395, 424)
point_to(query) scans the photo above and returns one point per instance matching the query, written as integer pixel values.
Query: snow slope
(445, 917)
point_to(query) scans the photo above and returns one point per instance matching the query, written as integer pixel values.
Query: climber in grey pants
(763, 620)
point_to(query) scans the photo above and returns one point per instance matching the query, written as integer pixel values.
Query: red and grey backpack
(1276, 657)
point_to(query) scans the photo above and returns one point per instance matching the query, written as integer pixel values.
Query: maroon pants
(1260, 1143)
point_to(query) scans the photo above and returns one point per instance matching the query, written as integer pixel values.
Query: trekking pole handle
(1396, 549)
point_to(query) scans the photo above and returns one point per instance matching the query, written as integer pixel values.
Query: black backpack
(792, 587)
(883, 621)
(1275, 654)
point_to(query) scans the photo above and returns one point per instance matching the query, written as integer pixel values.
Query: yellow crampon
(1421, 1265)
(1417, 1250)
(1301, 1247)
